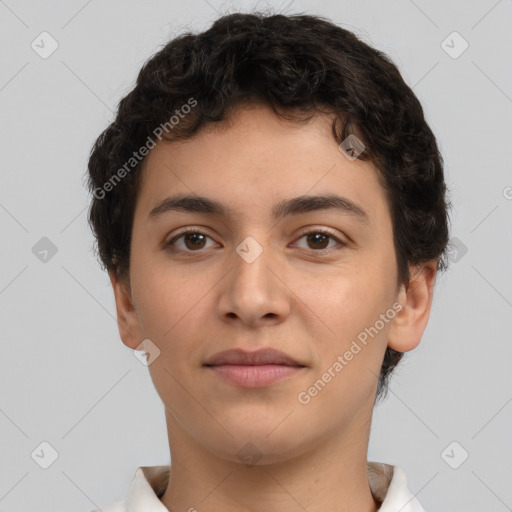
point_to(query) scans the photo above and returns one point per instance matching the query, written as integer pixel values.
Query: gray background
(65, 376)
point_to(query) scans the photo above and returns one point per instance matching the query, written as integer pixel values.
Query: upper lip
(255, 358)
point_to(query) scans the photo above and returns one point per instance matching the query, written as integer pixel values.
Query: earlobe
(127, 318)
(416, 300)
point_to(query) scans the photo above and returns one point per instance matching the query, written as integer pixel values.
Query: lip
(263, 356)
(253, 369)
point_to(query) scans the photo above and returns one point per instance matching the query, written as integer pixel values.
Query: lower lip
(254, 376)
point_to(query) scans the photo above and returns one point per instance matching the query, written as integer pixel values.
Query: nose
(254, 293)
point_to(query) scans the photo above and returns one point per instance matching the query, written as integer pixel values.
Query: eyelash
(169, 245)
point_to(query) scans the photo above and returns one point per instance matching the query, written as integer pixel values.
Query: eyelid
(305, 231)
(189, 229)
(320, 229)
(326, 231)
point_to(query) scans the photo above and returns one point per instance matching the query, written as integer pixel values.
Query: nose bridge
(252, 291)
(251, 264)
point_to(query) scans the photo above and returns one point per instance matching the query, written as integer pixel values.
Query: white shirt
(388, 485)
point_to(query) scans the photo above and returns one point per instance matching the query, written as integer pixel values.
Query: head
(254, 112)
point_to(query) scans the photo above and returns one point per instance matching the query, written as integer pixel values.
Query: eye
(193, 240)
(319, 240)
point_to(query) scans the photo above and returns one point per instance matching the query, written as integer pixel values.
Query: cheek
(349, 357)
(165, 300)
(171, 314)
(343, 301)
(343, 312)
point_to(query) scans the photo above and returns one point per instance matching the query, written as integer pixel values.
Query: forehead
(254, 160)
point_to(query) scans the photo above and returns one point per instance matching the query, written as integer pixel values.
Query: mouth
(253, 369)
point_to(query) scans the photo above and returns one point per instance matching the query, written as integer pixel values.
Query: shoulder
(118, 506)
(389, 486)
(148, 484)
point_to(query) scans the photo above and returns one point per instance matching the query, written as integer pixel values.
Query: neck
(332, 475)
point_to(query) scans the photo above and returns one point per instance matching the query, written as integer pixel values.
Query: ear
(416, 300)
(127, 318)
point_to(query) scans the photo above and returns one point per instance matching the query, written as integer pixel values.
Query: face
(311, 278)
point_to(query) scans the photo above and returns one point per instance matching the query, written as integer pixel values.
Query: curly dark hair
(300, 65)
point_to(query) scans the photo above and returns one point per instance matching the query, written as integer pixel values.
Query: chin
(252, 448)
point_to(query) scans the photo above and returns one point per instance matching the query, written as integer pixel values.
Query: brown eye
(194, 240)
(318, 240)
(188, 241)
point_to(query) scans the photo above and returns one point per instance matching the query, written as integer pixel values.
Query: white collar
(388, 484)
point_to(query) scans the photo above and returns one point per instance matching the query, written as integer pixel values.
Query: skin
(294, 297)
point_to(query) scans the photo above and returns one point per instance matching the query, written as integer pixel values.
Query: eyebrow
(285, 208)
